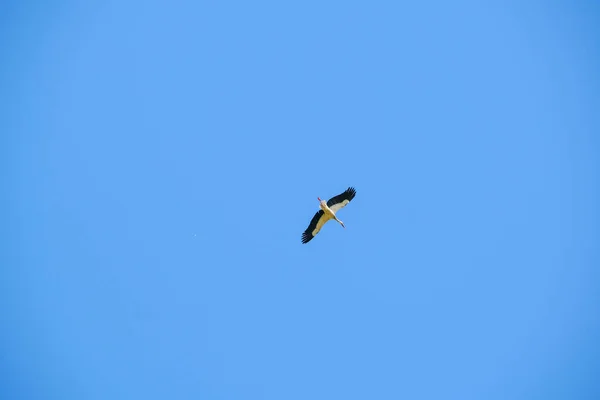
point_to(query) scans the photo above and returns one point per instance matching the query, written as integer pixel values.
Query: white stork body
(327, 212)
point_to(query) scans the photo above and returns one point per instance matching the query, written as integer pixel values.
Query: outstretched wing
(338, 202)
(315, 226)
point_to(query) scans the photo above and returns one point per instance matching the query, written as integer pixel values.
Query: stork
(327, 212)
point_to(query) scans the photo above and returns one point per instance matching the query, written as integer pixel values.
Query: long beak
(318, 198)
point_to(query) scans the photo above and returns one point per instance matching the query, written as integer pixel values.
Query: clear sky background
(161, 160)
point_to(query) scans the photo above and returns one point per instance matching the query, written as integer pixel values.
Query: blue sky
(163, 158)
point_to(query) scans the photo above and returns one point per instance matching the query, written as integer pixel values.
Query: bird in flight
(327, 212)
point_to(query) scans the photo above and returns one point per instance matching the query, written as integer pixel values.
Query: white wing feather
(336, 207)
(324, 218)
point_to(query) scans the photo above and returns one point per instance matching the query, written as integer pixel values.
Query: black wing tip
(351, 192)
(306, 237)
